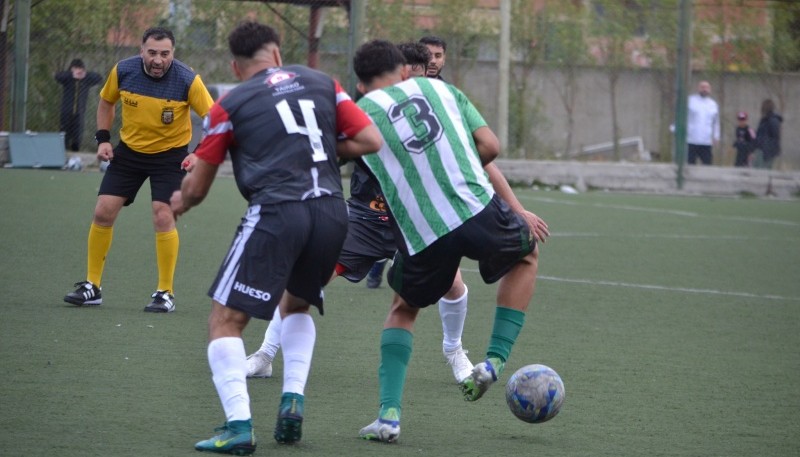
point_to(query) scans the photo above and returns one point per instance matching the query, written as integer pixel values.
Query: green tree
(564, 55)
(393, 21)
(464, 29)
(660, 51)
(529, 28)
(614, 29)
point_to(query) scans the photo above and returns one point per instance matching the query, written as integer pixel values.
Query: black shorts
(369, 239)
(290, 246)
(496, 237)
(699, 151)
(128, 170)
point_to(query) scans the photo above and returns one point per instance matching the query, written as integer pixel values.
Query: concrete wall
(644, 107)
(653, 178)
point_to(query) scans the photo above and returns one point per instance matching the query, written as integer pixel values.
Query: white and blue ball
(535, 393)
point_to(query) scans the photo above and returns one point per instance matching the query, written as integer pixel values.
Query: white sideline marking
(669, 289)
(665, 211)
(663, 236)
(656, 287)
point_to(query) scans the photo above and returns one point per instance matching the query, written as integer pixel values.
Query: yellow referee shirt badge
(167, 115)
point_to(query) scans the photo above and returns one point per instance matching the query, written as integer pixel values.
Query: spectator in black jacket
(77, 82)
(768, 135)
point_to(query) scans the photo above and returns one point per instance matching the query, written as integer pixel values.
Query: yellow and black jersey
(155, 111)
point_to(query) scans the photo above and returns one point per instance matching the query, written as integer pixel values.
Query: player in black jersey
(284, 127)
(370, 238)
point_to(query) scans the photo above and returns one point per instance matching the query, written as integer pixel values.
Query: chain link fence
(589, 79)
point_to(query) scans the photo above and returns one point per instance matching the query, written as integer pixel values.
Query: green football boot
(289, 427)
(237, 438)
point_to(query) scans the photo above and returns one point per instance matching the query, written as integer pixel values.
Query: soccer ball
(74, 164)
(534, 393)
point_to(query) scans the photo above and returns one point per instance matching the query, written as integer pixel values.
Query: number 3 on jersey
(425, 127)
(311, 129)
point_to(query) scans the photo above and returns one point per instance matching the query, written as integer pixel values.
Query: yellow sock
(98, 245)
(167, 244)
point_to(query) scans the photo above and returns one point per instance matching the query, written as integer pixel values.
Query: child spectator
(745, 141)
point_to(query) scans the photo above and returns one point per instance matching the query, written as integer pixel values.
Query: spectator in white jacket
(702, 124)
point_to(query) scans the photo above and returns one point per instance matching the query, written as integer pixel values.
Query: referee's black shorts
(128, 170)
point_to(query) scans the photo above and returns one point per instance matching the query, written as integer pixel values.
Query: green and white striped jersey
(428, 168)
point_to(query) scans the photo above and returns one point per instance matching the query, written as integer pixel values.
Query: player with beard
(438, 48)
(157, 91)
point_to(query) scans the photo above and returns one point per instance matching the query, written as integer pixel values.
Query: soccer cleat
(163, 302)
(386, 428)
(289, 428)
(483, 375)
(375, 275)
(259, 365)
(459, 362)
(86, 294)
(237, 438)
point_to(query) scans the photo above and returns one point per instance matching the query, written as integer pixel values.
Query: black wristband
(102, 136)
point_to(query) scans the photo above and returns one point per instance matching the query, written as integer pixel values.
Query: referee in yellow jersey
(156, 92)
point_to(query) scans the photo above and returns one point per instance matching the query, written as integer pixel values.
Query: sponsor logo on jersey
(279, 77)
(283, 82)
(130, 102)
(252, 291)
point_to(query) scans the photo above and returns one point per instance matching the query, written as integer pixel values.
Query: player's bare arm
(487, 144)
(105, 118)
(537, 225)
(189, 162)
(194, 188)
(367, 141)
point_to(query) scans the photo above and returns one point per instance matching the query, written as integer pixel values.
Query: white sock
(272, 337)
(298, 335)
(228, 363)
(453, 314)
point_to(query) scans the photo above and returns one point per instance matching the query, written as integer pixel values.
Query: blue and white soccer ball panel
(535, 393)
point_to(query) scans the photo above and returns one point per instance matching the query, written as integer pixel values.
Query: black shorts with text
(291, 246)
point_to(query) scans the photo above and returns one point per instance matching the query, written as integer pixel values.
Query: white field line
(662, 211)
(593, 282)
(665, 211)
(665, 236)
(669, 289)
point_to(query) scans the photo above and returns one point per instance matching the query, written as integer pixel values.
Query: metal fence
(588, 80)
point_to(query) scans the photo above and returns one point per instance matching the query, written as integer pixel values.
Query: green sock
(396, 346)
(507, 325)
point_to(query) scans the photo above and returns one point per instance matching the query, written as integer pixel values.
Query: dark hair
(158, 33)
(375, 58)
(767, 107)
(434, 41)
(250, 36)
(77, 63)
(415, 53)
